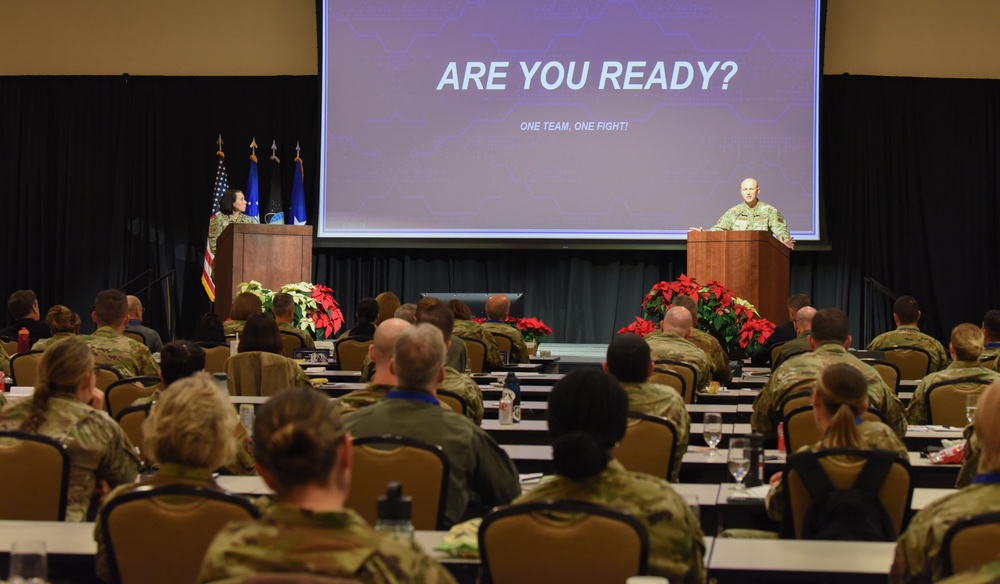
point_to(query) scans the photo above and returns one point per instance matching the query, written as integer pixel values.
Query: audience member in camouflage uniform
(985, 574)
(841, 397)
(629, 362)
(481, 474)
(671, 343)
(991, 331)
(830, 340)
(970, 463)
(68, 407)
(188, 434)
(497, 311)
(465, 327)
(110, 346)
(918, 551)
(63, 323)
(753, 215)
(718, 360)
(587, 417)
(906, 314)
(454, 381)
(380, 353)
(283, 308)
(800, 344)
(965, 347)
(245, 305)
(4, 363)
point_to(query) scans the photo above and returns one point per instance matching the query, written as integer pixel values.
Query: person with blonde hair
(965, 348)
(62, 322)
(245, 305)
(304, 454)
(67, 406)
(187, 436)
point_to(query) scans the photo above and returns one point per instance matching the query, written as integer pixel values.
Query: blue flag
(253, 191)
(298, 208)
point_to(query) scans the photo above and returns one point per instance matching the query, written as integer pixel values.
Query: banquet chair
(24, 367)
(946, 400)
(259, 373)
(131, 419)
(887, 371)
(505, 343)
(648, 445)
(785, 357)
(913, 363)
(215, 358)
(842, 466)
(36, 477)
(421, 468)
(159, 534)
(670, 378)
(351, 353)
(970, 542)
(801, 429)
(135, 337)
(10, 346)
(683, 369)
(290, 342)
(477, 354)
(106, 375)
(561, 541)
(123, 393)
(775, 348)
(453, 401)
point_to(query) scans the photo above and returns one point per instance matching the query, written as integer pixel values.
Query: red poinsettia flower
(641, 327)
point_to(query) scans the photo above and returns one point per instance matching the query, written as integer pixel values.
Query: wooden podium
(753, 264)
(274, 255)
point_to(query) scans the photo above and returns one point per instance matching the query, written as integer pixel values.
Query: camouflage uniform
(458, 354)
(918, 551)
(916, 411)
(219, 223)
(874, 435)
(985, 574)
(307, 340)
(336, 544)
(130, 358)
(98, 449)
(990, 357)
(799, 343)
(481, 474)
(766, 414)
(463, 386)
(243, 464)
(519, 349)
(908, 335)
(167, 474)
(233, 327)
(470, 328)
(4, 361)
(676, 543)
(42, 344)
(370, 395)
(718, 361)
(663, 401)
(762, 217)
(970, 464)
(670, 345)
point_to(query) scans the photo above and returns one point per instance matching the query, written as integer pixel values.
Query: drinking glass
(970, 406)
(712, 426)
(739, 460)
(28, 562)
(694, 504)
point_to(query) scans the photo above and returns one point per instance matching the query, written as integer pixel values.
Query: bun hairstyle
(296, 434)
(844, 393)
(588, 411)
(63, 366)
(61, 319)
(967, 341)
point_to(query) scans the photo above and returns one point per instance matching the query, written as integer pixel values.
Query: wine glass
(712, 426)
(739, 460)
(970, 406)
(28, 563)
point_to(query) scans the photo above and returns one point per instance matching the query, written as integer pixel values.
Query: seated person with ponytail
(304, 454)
(587, 416)
(68, 407)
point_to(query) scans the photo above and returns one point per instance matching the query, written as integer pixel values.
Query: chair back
(685, 370)
(215, 358)
(106, 375)
(9, 346)
(913, 363)
(561, 541)
(290, 342)
(159, 534)
(801, 429)
(453, 401)
(505, 344)
(131, 419)
(421, 468)
(946, 400)
(351, 353)
(259, 373)
(887, 371)
(648, 445)
(36, 477)
(476, 359)
(24, 367)
(123, 393)
(842, 466)
(135, 337)
(783, 357)
(775, 349)
(668, 377)
(970, 542)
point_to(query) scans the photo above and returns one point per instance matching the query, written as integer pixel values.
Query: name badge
(740, 225)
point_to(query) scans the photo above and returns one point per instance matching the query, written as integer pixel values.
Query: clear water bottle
(394, 513)
(511, 383)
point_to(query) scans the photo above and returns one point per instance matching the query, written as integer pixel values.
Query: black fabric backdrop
(102, 178)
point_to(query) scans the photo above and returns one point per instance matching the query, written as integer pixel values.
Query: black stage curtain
(102, 178)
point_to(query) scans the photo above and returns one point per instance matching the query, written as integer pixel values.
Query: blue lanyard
(414, 395)
(986, 478)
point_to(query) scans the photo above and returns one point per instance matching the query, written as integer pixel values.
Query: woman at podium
(232, 204)
(753, 215)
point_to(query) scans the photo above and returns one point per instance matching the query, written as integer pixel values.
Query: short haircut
(460, 309)
(798, 301)
(227, 201)
(208, 329)
(367, 310)
(440, 316)
(110, 307)
(61, 319)
(628, 358)
(907, 310)
(283, 304)
(830, 325)
(180, 359)
(967, 341)
(687, 302)
(261, 333)
(407, 312)
(245, 305)
(425, 303)
(191, 425)
(21, 303)
(419, 356)
(991, 322)
(386, 335)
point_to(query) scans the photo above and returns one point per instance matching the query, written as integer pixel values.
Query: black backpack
(853, 514)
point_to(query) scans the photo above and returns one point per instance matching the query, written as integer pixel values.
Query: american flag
(221, 184)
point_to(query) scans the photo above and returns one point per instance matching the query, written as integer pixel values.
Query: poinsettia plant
(316, 310)
(531, 328)
(732, 320)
